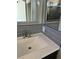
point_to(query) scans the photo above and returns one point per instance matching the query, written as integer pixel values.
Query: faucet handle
(26, 34)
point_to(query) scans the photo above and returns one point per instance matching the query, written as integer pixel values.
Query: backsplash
(34, 28)
(53, 35)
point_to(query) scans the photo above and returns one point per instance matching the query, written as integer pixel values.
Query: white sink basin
(25, 46)
(37, 46)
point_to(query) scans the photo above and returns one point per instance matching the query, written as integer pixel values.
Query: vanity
(38, 46)
(32, 15)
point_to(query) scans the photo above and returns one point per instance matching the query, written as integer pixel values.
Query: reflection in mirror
(23, 10)
(21, 13)
(29, 11)
(53, 14)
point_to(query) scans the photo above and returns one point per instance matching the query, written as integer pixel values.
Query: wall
(53, 34)
(53, 25)
(34, 28)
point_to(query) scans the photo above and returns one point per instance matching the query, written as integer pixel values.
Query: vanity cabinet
(51, 56)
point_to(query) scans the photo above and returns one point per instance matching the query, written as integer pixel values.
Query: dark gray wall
(53, 35)
(53, 25)
(34, 28)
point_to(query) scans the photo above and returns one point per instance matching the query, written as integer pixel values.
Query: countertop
(42, 52)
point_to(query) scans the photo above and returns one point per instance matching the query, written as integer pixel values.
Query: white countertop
(42, 52)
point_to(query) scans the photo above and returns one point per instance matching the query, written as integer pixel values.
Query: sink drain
(29, 47)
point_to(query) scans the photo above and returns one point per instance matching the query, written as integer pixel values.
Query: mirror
(21, 13)
(29, 11)
(53, 14)
(24, 11)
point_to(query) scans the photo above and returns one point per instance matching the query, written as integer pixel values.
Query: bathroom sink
(37, 46)
(26, 46)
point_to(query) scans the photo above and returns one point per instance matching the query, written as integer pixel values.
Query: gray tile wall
(36, 28)
(28, 28)
(53, 35)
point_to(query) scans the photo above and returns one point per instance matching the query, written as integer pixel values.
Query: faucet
(26, 34)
